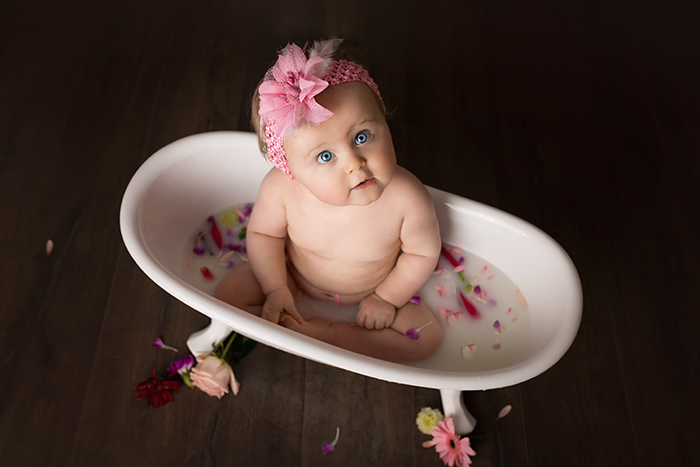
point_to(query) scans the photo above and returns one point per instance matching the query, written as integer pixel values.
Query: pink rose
(214, 376)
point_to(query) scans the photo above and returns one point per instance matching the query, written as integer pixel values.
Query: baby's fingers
(292, 311)
(270, 314)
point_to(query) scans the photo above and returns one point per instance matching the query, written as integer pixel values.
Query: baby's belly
(344, 284)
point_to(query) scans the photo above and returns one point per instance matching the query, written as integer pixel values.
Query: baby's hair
(348, 50)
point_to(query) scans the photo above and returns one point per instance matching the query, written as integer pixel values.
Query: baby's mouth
(364, 184)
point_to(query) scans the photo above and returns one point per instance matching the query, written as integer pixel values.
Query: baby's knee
(239, 288)
(427, 343)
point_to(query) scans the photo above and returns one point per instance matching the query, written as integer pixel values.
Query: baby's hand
(375, 313)
(278, 302)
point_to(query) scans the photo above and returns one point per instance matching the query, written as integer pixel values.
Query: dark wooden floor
(580, 117)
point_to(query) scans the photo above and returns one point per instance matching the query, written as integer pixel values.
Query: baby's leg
(242, 290)
(387, 344)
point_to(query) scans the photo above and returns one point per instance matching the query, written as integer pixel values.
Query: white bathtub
(183, 183)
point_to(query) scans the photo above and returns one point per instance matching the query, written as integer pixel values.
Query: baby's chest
(366, 237)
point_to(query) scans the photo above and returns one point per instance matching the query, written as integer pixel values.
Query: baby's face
(349, 159)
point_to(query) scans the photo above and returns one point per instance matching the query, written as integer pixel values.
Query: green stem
(228, 345)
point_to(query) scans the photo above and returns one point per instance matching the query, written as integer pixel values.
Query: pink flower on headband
(288, 100)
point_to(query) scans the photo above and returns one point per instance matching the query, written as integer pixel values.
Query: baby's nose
(354, 162)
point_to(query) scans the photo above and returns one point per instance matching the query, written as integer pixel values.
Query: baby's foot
(313, 327)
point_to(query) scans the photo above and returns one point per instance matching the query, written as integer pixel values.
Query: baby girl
(339, 221)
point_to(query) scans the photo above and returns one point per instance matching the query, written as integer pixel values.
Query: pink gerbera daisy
(452, 449)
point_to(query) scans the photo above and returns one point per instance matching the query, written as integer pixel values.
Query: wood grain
(582, 118)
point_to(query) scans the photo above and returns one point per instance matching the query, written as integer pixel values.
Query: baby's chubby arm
(265, 236)
(420, 246)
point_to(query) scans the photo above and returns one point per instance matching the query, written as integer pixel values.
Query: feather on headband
(287, 95)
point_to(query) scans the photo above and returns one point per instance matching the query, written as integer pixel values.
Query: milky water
(485, 333)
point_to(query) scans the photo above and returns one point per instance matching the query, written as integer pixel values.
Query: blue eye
(361, 138)
(325, 157)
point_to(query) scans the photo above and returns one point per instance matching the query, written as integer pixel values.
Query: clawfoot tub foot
(201, 342)
(454, 407)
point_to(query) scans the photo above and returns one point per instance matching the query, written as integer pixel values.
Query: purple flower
(159, 344)
(412, 334)
(331, 446)
(182, 364)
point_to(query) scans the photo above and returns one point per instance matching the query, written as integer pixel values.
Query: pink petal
(315, 113)
(468, 351)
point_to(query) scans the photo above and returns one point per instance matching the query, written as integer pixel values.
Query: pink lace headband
(287, 95)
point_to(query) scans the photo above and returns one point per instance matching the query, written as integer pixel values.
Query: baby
(339, 221)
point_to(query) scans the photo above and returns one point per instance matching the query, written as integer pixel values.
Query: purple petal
(184, 363)
(158, 343)
(412, 334)
(415, 300)
(328, 448)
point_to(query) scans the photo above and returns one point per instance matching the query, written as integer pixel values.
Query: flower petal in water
(215, 233)
(206, 273)
(521, 297)
(414, 333)
(498, 327)
(448, 256)
(442, 273)
(447, 314)
(468, 351)
(229, 219)
(470, 308)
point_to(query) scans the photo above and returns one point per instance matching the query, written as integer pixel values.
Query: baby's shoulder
(275, 184)
(408, 189)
